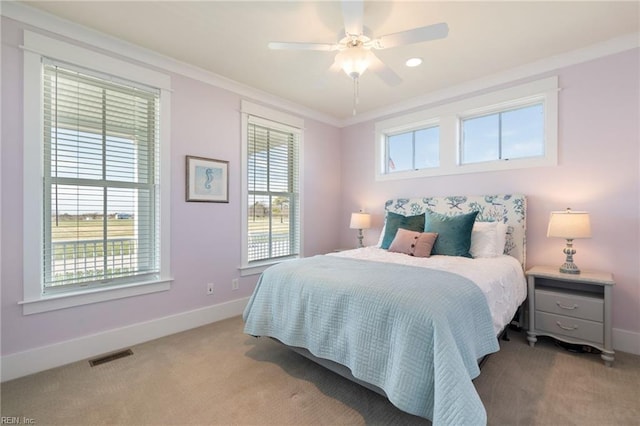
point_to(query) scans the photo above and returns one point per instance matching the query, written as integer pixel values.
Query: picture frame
(207, 180)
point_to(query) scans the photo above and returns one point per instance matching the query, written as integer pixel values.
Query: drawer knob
(564, 327)
(566, 306)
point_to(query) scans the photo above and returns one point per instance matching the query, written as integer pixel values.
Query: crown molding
(81, 35)
(534, 69)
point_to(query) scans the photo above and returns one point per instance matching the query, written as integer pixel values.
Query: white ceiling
(230, 39)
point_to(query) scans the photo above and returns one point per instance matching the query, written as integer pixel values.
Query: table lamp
(570, 225)
(360, 221)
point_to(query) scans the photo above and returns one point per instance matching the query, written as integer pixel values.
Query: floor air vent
(110, 357)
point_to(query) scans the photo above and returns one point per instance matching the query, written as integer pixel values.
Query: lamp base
(569, 268)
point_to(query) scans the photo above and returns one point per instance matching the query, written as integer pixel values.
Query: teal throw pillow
(396, 221)
(454, 233)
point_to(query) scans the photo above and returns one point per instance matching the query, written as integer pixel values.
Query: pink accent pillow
(413, 243)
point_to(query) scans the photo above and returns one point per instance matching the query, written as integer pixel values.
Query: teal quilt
(416, 333)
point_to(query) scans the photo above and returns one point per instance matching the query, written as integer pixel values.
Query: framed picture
(207, 180)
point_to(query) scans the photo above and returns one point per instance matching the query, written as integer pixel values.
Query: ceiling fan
(355, 54)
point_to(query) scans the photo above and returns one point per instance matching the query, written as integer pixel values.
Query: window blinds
(101, 180)
(273, 190)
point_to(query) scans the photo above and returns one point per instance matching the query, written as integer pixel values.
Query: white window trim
(36, 46)
(258, 111)
(448, 117)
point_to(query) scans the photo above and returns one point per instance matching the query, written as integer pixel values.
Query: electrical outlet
(210, 289)
(234, 284)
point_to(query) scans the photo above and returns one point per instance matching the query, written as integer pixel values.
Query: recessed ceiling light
(413, 62)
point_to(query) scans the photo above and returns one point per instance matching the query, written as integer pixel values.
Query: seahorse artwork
(209, 173)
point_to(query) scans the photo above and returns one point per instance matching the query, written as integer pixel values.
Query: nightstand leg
(607, 357)
(531, 336)
(607, 353)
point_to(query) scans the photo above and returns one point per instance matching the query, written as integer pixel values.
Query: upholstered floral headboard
(509, 209)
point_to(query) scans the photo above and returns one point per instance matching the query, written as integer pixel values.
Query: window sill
(246, 271)
(259, 267)
(68, 300)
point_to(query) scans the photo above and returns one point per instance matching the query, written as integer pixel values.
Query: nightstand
(571, 308)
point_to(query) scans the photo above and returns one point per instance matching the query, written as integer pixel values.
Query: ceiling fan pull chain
(356, 94)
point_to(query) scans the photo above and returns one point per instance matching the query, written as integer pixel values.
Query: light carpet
(216, 375)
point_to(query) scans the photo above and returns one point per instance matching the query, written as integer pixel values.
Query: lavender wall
(205, 237)
(598, 171)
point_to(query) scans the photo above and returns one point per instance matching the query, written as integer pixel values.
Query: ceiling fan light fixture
(354, 60)
(355, 50)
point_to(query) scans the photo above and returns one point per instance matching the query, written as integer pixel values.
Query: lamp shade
(360, 221)
(569, 224)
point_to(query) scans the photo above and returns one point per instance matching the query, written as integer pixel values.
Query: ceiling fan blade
(336, 66)
(277, 45)
(384, 72)
(322, 82)
(352, 12)
(416, 35)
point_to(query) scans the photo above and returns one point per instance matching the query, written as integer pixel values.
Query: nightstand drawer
(572, 305)
(571, 327)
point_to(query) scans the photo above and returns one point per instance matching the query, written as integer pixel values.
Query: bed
(409, 325)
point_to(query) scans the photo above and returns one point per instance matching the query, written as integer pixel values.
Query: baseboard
(626, 341)
(43, 358)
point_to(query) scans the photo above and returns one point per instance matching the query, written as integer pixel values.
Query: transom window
(413, 150)
(504, 135)
(505, 129)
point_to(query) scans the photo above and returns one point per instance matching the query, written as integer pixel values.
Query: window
(413, 150)
(100, 179)
(505, 129)
(271, 152)
(96, 208)
(505, 135)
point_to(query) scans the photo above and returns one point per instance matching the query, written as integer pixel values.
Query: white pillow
(484, 239)
(384, 228)
(502, 238)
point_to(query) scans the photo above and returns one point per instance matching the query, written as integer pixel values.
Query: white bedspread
(501, 279)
